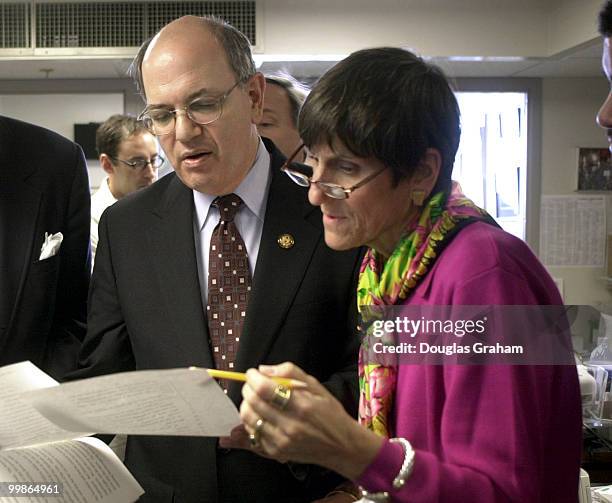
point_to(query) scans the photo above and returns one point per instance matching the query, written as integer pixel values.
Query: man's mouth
(195, 157)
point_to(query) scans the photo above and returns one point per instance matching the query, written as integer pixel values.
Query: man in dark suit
(149, 298)
(44, 277)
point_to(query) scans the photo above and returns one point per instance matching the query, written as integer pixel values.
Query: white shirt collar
(253, 190)
(102, 199)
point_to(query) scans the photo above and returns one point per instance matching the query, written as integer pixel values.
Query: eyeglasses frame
(134, 165)
(219, 102)
(325, 187)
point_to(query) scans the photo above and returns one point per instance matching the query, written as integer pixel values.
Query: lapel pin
(285, 241)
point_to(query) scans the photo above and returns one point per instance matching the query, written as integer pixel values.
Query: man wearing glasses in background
(128, 155)
(219, 264)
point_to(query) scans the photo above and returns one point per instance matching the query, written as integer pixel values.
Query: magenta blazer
(491, 433)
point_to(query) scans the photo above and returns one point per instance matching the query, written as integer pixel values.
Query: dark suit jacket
(43, 188)
(146, 312)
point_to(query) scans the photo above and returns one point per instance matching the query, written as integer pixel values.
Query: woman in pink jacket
(381, 131)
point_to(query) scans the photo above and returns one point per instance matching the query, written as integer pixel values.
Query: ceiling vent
(106, 28)
(15, 25)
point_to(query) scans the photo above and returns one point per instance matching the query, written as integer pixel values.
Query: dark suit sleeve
(107, 347)
(344, 383)
(68, 329)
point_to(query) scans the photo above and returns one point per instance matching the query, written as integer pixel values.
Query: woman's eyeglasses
(332, 190)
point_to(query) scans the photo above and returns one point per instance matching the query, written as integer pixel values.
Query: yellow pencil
(239, 376)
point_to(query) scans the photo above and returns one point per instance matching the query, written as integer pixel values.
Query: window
(491, 164)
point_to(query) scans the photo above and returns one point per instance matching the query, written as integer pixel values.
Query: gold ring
(253, 440)
(282, 395)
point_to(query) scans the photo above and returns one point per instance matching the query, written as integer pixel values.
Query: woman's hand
(311, 426)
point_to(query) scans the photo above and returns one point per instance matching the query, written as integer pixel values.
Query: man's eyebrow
(201, 92)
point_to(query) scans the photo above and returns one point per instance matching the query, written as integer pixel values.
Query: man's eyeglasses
(140, 164)
(161, 121)
(332, 190)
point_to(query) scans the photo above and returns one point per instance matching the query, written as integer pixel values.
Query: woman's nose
(316, 197)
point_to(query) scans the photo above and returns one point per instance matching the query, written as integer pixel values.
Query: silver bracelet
(366, 497)
(400, 479)
(407, 465)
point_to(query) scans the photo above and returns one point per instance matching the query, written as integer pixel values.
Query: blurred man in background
(283, 99)
(128, 155)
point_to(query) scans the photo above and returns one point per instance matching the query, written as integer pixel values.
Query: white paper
(146, 402)
(86, 468)
(573, 231)
(20, 423)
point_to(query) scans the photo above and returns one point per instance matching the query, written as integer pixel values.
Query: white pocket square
(51, 245)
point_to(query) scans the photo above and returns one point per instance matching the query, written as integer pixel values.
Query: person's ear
(107, 165)
(426, 176)
(256, 87)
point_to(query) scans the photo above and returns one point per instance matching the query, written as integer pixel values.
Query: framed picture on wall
(594, 169)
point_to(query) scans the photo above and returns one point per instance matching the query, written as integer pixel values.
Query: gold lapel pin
(285, 241)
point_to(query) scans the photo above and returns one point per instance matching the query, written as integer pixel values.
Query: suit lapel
(279, 271)
(19, 208)
(171, 237)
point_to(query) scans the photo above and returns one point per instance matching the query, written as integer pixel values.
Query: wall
(568, 121)
(60, 112)
(571, 22)
(58, 104)
(469, 28)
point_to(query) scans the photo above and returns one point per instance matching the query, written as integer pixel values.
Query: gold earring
(418, 196)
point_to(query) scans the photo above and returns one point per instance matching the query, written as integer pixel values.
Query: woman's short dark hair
(388, 104)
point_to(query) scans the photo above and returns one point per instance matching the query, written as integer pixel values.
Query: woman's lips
(331, 219)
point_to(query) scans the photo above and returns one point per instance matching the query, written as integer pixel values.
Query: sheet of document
(573, 231)
(145, 402)
(76, 471)
(20, 423)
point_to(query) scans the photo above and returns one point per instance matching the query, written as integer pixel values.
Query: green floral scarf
(389, 283)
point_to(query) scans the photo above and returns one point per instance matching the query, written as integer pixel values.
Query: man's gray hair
(296, 91)
(236, 44)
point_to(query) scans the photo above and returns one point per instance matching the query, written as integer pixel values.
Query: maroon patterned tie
(229, 284)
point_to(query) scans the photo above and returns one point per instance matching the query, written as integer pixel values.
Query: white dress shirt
(100, 200)
(253, 191)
